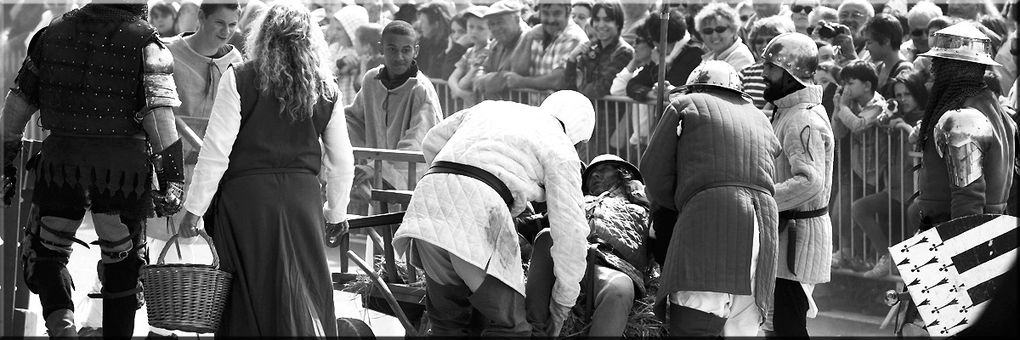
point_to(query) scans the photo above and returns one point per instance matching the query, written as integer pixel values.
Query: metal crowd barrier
(623, 127)
(880, 158)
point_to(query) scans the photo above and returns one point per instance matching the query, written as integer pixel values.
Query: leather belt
(745, 185)
(265, 171)
(443, 167)
(791, 243)
(75, 135)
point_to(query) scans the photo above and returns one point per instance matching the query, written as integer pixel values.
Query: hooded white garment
(527, 149)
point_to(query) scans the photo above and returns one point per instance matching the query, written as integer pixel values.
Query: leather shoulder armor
(962, 137)
(158, 58)
(158, 78)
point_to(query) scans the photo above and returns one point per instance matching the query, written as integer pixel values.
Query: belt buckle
(118, 255)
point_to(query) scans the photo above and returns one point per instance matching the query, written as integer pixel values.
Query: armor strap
(61, 234)
(113, 295)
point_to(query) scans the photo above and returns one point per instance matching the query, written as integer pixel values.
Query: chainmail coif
(955, 81)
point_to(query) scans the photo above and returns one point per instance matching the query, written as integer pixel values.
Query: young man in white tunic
(459, 227)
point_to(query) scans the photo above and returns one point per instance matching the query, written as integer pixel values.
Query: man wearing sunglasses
(917, 19)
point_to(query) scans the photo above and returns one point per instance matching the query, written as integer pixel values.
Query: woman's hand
(189, 225)
(913, 137)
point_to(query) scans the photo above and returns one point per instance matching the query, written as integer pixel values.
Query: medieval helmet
(962, 42)
(716, 74)
(574, 110)
(794, 52)
(609, 159)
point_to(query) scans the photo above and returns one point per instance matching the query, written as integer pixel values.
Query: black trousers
(791, 306)
(45, 253)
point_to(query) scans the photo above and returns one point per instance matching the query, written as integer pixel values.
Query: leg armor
(45, 250)
(122, 243)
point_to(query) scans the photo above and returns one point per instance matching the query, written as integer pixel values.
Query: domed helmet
(794, 52)
(608, 159)
(715, 74)
(962, 42)
(575, 111)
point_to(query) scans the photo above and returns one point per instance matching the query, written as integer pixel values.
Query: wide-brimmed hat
(962, 42)
(608, 159)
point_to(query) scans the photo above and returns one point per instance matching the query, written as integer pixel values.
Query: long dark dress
(268, 224)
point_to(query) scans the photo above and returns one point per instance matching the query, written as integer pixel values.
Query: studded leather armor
(89, 71)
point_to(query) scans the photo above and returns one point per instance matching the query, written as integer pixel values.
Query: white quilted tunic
(526, 149)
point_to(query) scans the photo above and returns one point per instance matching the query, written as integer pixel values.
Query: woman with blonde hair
(717, 24)
(257, 179)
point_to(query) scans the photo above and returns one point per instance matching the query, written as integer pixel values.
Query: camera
(827, 30)
(891, 111)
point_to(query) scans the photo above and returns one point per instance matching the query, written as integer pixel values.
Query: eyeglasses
(799, 8)
(855, 15)
(917, 32)
(717, 29)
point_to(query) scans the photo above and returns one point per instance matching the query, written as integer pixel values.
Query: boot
(60, 324)
(690, 322)
(883, 268)
(119, 316)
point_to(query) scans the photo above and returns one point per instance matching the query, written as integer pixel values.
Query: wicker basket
(186, 297)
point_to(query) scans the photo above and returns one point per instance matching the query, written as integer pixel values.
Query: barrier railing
(873, 186)
(622, 125)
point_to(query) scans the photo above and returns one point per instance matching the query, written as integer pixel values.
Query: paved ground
(83, 264)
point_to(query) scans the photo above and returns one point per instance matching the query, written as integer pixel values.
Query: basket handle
(173, 239)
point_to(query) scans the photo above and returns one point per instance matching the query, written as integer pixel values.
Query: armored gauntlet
(169, 168)
(10, 175)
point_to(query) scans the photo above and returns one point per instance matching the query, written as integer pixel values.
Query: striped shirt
(754, 85)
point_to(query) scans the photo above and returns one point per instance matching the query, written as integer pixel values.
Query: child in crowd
(368, 48)
(461, 81)
(162, 16)
(857, 108)
(871, 213)
(340, 35)
(396, 106)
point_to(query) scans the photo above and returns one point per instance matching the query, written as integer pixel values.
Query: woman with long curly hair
(257, 179)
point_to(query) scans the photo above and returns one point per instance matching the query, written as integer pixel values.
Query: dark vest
(268, 139)
(90, 73)
(935, 195)
(720, 143)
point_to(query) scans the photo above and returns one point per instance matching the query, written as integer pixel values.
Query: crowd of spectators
(875, 86)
